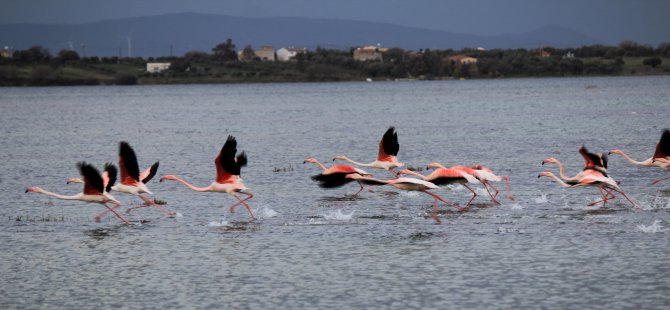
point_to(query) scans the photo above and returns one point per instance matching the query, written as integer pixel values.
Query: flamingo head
(550, 160)
(339, 157)
(618, 152)
(33, 189)
(434, 165)
(74, 180)
(168, 177)
(309, 160)
(544, 174)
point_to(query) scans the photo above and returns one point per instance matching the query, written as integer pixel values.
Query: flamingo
(593, 178)
(444, 176)
(132, 181)
(335, 176)
(386, 157)
(485, 176)
(660, 159)
(228, 179)
(95, 189)
(407, 184)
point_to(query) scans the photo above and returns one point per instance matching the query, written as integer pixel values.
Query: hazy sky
(644, 21)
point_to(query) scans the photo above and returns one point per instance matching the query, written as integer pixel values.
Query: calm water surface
(315, 248)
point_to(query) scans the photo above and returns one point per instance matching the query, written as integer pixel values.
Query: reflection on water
(312, 248)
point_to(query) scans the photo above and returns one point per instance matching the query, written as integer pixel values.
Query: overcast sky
(645, 21)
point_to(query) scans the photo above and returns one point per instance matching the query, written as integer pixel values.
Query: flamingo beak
(543, 163)
(27, 190)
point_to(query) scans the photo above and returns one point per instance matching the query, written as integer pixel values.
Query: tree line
(222, 64)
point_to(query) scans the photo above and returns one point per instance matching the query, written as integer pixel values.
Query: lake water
(316, 248)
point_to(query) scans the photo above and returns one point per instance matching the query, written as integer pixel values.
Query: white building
(286, 53)
(156, 67)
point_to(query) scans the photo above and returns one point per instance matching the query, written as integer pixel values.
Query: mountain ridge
(177, 33)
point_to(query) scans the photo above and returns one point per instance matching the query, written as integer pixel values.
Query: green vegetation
(36, 67)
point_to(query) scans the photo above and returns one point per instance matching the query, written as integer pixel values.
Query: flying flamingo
(94, 189)
(228, 179)
(386, 157)
(444, 176)
(485, 176)
(335, 176)
(660, 159)
(593, 178)
(407, 184)
(133, 181)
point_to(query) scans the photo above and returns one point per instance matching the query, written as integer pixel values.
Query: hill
(176, 34)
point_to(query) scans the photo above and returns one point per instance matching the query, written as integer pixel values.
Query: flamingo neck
(197, 189)
(559, 181)
(641, 163)
(316, 162)
(59, 196)
(561, 172)
(414, 173)
(357, 163)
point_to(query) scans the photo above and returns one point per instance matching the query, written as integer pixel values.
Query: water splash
(265, 213)
(223, 222)
(338, 216)
(178, 215)
(651, 229)
(542, 199)
(516, 206)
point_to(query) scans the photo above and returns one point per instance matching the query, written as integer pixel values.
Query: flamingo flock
(228, 164)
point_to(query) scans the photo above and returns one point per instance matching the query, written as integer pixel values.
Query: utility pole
(83, 50)
(170, 50)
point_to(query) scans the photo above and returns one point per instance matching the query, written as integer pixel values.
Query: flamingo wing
(593, 161)
(663, 145)
(149, 173)
(130, 172)
(226, 163)
(388, 146)
(92, 181)
(109, 176)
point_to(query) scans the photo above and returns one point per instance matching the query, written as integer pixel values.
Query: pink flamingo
(660, 159)
(94, 189)
(593, 178)
(386, 157)
(444, 176)
(335, 176)
(132, 181)
(407, 184)
(228, 178)
(485, 176)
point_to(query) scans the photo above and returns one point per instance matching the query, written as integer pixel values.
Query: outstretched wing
(226, 163)
(593, 161)
(130, 172)
(149, 173)
(109, 176)
(663, 145)
(92, 180)
(388, 146)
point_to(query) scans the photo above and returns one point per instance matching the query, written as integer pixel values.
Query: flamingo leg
(232, 207)
(493, 197)
(99, 216)
(448, 203)
(149, 202)
(474, 194)
(360, 190)
(509, 192)
(117, 215)
(434, 214)
(659, 180)
(242, 201)
(395, 174)
(604, 194)
(624, 195)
